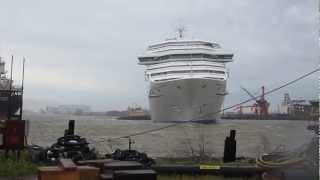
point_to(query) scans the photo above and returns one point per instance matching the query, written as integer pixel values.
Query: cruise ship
(187, 79)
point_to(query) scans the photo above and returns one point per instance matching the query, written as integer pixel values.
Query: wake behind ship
(187, 80)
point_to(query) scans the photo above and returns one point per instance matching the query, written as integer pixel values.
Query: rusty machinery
(12, 127)
(261, 106)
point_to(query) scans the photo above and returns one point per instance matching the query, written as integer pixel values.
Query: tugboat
(136, 113)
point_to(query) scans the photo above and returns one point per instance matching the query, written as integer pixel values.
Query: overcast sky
(85, 52)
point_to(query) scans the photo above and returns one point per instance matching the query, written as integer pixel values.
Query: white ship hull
(190, 99)
(187, 79)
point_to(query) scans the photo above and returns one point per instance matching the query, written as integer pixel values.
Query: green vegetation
(12, 167)
(190, 161)
(186, 161)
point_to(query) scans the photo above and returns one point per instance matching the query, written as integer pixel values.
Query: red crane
(261, 105)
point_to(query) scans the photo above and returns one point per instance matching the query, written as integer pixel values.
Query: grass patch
(17, 168)
(12, 167)
(185, 161)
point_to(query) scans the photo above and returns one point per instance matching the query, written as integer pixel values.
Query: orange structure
(261, 106)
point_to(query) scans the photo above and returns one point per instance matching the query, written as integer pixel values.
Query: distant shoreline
(269, 117)
(223, 117)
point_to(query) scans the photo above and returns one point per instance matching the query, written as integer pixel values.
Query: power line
(227, 108)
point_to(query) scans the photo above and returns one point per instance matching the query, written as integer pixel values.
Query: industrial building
(299, 107)
(69, 109)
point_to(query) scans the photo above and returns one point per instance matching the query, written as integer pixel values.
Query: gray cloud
(85, 52)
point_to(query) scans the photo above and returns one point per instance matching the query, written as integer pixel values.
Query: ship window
(206, 65)
(186, 56)
(174, 72)
(162, 58)
(201, 71)
(187, 71)
(218, 72)
(145, 59)
(196, 55)
(157, 74)
(208, 71)
(165, 79)
(178, 56)
(209, 56)
(170, 72)
(225, 56)
(208, 44)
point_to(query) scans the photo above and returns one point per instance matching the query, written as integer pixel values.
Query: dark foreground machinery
(72, 147)
(69, 146)
(132, 155)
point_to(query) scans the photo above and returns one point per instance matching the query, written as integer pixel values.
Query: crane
(261, 105)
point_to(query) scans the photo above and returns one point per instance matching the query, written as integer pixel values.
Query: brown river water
(253, 136)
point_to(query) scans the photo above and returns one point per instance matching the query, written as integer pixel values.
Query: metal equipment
(69, 146)
(132, 155)
(12, 127)
(261, 106)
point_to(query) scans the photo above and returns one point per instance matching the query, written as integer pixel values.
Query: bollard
(230, 147)
(70, 130)
(71, 127)
(233, 134)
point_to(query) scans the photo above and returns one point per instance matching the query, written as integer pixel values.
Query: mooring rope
(208, 114)
(276, 159)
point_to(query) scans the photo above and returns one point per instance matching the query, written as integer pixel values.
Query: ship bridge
(182, 58)
(181, 49)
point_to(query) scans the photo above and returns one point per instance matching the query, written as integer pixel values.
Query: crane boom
(261, 104)
(252, 96)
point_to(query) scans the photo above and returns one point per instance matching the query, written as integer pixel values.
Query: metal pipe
(22, 88)
(71, 127)
(10, 91)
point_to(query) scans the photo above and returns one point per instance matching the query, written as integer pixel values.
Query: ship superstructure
(10, 95)
(187, 79)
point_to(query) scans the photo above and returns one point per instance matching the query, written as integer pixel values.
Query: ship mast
(181, 30)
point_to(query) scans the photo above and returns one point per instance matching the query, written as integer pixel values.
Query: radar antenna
(181, 30)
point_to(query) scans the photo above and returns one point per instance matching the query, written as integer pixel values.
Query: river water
(253, 136)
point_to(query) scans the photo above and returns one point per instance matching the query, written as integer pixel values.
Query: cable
(227, 108)
(267, 92)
